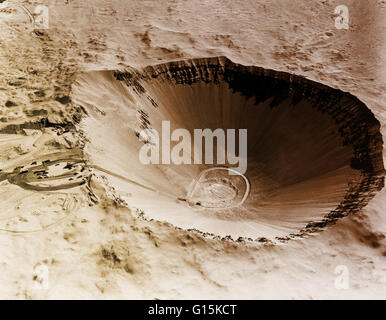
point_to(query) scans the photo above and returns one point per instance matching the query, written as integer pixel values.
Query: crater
(314, 152)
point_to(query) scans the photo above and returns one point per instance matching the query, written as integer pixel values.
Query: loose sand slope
(78, 226)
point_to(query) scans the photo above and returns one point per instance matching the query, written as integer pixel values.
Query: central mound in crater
(314, 152)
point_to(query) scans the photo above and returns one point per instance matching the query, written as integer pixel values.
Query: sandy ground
(81, 241)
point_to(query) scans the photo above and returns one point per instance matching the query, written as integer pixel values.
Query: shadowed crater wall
(314, 152)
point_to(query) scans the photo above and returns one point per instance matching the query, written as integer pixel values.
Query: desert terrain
(81, 218)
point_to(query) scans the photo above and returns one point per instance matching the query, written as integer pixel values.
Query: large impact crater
(314, 152)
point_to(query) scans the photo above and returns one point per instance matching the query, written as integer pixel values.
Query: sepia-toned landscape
(82, 217)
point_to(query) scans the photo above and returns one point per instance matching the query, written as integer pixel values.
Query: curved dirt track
(314, 152)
